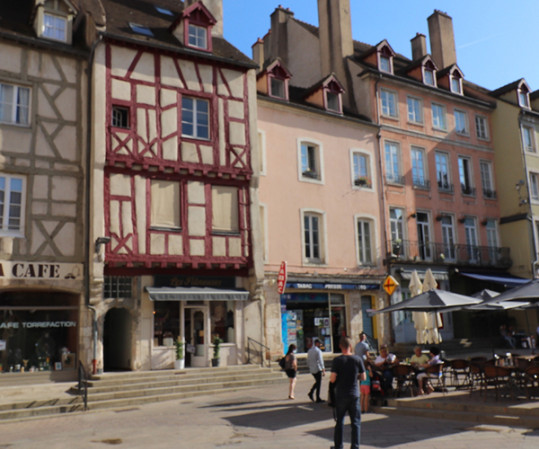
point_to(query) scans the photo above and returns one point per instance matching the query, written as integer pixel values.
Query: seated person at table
(418, 359)
(384, 363)
(423, 377)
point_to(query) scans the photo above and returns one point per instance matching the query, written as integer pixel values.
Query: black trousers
(317, 384)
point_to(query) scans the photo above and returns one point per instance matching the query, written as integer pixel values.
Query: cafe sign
(10, 269)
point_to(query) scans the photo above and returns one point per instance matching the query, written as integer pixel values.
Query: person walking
(316, 368)
(345, 372)
(291, 369)
(362, 348)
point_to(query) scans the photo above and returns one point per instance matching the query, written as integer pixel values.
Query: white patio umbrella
(434, 320)
(419, 318)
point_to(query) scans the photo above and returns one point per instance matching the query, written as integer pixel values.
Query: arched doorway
(117, 340)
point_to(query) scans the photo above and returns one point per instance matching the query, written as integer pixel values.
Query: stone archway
(117, 340)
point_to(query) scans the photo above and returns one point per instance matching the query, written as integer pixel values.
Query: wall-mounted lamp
(519, 184)
(484, 222)
(101, 241)
(462, 219)
(412, 215)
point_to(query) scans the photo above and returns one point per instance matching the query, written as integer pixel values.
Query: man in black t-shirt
(346, 370)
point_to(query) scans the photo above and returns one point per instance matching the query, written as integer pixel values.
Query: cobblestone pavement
(250, 419)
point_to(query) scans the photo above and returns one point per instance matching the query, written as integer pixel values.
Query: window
(54, 27)
(423, 236)
(385, 64)
(534, 186)
(418, 167)
(415, 110)
(117, 287)
(140, 29)
(523, 97)
(198, 36)
(14, 104)
(442, 172)
(225, 210)
(361, 170)
(389, 103)
(481, 127)
(120, 117)
(312, 237)
(165, 204)
(396, 223)
(456, 84)
(465, 176)
(393, 171)
(12, 191)
(492, 240)
(528, 138)
(195, 118)
(429, 77)
(277, 87)
(333, 101)
(438, 116)
(461, 122)
(487, 182)
(470, 229)
(364, 242)
(310, 162)
(448, 238)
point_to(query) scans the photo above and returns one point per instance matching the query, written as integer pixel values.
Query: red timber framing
(149, 148)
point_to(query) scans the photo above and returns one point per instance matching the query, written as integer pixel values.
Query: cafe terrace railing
(461, 254)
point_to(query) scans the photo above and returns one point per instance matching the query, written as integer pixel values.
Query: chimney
(258, 53)
(336, 43)
(419, 46)
(278, 38)
(442, 39)
(216, 9)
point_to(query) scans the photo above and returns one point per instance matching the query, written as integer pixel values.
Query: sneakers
(319, 401)
(310, 394)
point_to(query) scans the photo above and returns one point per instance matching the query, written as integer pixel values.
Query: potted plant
(216, 348)
(179, 363)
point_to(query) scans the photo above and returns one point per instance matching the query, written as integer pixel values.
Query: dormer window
(333, 92)
(277, 87)
(456, 83)
(198, 36)
(53, 20)
(385, 59)
(193, 27)
(273, 80)
(429, 77)
(523, 96)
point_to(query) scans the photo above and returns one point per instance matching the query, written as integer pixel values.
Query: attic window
(54, 27)
(456, 83)
(140, 29)
(333, 101)
(164, 11)
(385, 60)
(428, 76)
(198, 36)
(277, 87)
(523, 97)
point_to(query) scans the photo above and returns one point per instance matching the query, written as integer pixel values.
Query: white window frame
(7, 206)
(389, 103)
(263, 209)
(466, 176)
(322, 234)
(523, 97)
(528, 139)
(381, 65)
(414, 106)
(487, 179)
(392, 162)
(279, 84)
(262, 152)
(534, 186)
(361, 250)
(356, 174)
(481, 127)
(333, 97)
(422, 171)
(448, 237)
(472, 241)
(197, 115)
(53, 32)
(447, 164)
(15, 104)
(199, 34)
(425, 77)
(397, 230)
(455, 82)
(319, 179)
(461, 128)
(425, 253)
(439, 119)
(493, 241)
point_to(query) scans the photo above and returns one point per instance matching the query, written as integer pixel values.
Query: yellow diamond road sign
(390, 284)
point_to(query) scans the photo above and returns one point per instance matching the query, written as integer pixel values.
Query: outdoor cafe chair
(531, 380)
(436, 376)
(499, 377)
(460, 372)
(404, 375)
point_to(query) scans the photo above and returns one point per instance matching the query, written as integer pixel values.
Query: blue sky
(497, 41)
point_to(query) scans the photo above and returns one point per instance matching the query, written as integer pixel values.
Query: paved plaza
(251, 419)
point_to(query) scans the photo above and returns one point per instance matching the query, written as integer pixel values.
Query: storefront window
(222, 320)
(306, 316)
(166, 322)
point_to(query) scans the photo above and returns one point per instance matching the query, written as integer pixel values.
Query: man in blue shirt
(316, 368)
(345, 372)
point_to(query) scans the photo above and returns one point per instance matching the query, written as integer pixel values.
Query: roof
(507, 88)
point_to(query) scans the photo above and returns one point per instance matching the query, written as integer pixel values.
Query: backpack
(282, 362)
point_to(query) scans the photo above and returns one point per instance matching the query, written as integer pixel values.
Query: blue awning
(508, 280)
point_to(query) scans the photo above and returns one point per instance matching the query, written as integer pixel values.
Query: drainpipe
(88, 247)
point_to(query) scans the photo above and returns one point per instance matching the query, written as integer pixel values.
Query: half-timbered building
(173, 118)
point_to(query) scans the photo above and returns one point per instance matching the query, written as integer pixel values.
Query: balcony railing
(414, 251)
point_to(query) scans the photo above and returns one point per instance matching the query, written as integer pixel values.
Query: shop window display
(222, 320)
(166, 322)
